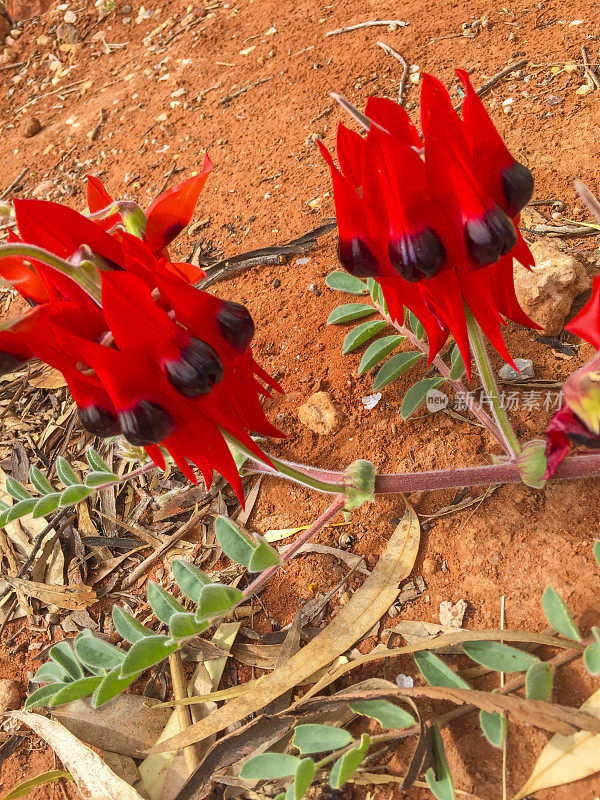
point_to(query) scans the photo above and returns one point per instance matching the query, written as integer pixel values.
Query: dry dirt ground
(139, 97)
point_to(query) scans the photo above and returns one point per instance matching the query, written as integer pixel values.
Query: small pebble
(405, 681)
(556, 215)
(513, 37)
(10, 695)
(30, 126)
(525, 367)
(276, 283)
(126, 9)
(558, 205)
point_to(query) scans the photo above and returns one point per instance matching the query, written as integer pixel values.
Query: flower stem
(484, 367)
(34, 253)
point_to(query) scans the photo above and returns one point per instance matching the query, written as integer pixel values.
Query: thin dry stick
(495, 79)
(14, 184)
(190, 754)
(402, 60)
(229, 97)
(588, 198)
(369, 24)
(589, 72)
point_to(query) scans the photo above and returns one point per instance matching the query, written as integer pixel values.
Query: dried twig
(495, 79)
(398, 57)
(589, 71)
(190, 754)
(9, 189)
(372, 23)
(588, 198)
(229, 97)
(16, 65)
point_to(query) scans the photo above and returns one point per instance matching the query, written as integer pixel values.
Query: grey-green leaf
(417, 394)
(162, 603)
(596, 551)
(346, 764)
(42, 696)
(269, 766)
(75, 691)
(217, 599)
(361, 334)
(344, 282)
(302, 779)
(348, 312)
(65, 472)
(189, 578)
(415, 325)
(320, 738)
(112, 684)
(234, 542)
(558, 615)
(538, 681)
(499, 657)
(264, 555)
(50, 671)
(95, 461)
(128, 627)
(74, 494)
(21, 508)
(16, 489)
(394, 367)
(63, 655)
(457, 368)
(184, 625)
(436, 672)
(493, 726)
(146, 653)
(97, 655)
(387, 714)
(591, 658)
(377, 351)
(439, 779)
(46, 505)
(40, 482)
(95, 478)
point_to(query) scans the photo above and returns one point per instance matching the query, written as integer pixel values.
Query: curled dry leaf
(71, 597)
(94, 779)
(566, 758)
(363, 611)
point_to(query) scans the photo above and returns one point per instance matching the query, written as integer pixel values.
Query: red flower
(434, 222)
(565, 428)
(158, 361)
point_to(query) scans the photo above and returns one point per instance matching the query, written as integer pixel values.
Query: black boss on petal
(99, 421)
(10, 362)
(490, 236)
(517, 185)
(236, 325)
(145, 423)
(356, 258)
(197, 370)
(415, 256)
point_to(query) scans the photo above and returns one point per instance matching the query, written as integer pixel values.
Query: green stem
(34, 253)
(484, 367)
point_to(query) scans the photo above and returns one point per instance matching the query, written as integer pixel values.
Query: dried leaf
(71, 597)
(416, 631)
(362, 612)
(94, 779)
(566, 758)
(47, 378)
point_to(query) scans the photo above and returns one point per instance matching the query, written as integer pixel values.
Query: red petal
(586, 324)
(350, 148)
(171, 211)
(187, 272)
(394, 119)
(97, 196)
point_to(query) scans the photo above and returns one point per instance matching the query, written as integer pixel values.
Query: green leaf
(21, 508)
(94, 479)
(40, 482)
(394, 367)
(597, 552)
(538, 681)
(377, 351)
(348, 312)
(65, 473)
(387, 714)
(344, 282)
(75, 691)
(499, 657)
(415, 325)
(591, 658)
(128, 627)
(16, 489)
(375, 291)
(46, 505)
(51, 672)
(146, 653)
(361, 334)
(27, 786)
(63, 655)
(439, 779)
(264, 555)
(3, 518)
(302, 779)
(112, 684)
(417, 395)
(216, 600)
(162, 603)
(558, 615)
(348, 762)
(318, 738)
(436, 672)
(97, 655)
(269, 766)
(359, 480)
(457, 368)
(184, 625)
(74, 494)
(493, 725)
(189, 578)
(95, 462)
(235, 542)
(42, 696)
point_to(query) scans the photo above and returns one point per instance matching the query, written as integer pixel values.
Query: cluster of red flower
(150, 356)
(434, 221)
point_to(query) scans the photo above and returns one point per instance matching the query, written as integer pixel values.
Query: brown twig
(229, 97)
(589, 71)
(6, 193)
(370, 24)
(190, 754)
(495, 79)
(390, 51)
